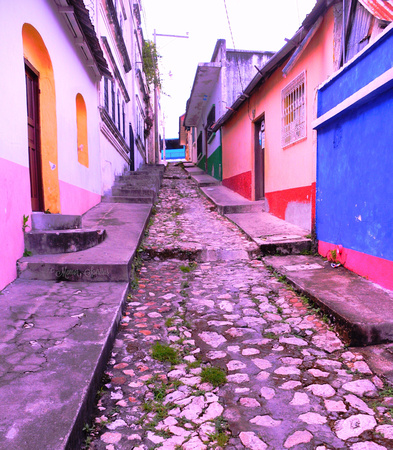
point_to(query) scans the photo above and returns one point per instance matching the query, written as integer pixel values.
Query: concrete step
(203, 180)
(194, 170)
(111, 261)
(273, 235)
(354, 304)
(43, 221)
(132, 191)
(48, 392)
(126, 199)
(230, 202)
(62, 241)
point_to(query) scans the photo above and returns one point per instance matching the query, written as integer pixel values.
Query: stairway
(59, 233)
(141, 186)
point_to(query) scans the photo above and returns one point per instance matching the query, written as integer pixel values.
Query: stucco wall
(355, 166)
(293, 167)
(79, 186)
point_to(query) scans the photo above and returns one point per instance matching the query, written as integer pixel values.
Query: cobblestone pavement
(219, 353)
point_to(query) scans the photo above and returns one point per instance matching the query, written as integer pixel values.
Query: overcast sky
(256, 25)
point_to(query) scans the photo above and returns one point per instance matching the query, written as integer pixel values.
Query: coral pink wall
(15, 202)
(240, 183)
(375, 269)
(293, 167)
(75, 200)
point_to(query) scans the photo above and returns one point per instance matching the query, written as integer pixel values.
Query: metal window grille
(211, 118)
(113, 102)
(124, 120)
(293, 104)
(118, 111)
(106, 94)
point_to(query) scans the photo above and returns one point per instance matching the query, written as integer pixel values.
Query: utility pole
(156, 135)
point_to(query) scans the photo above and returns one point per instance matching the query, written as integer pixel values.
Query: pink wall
(75, 200)
(294, 167)
(15, 202)
(374, 269)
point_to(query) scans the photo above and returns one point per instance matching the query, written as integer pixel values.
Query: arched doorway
(42, 124)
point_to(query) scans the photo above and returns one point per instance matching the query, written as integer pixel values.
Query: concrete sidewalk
(362, 310)
(59, 322)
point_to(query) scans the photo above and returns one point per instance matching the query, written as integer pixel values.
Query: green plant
(214, 376)
(270, 335)
(164, 353)
(169, 322)
(150, 63)
(27, 253)
(189, 267)
(25, 224)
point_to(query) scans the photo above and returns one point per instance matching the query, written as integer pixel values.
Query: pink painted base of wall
(240, 183)
(375, 269)
(75, 200)
(279, 200)
(15, 201)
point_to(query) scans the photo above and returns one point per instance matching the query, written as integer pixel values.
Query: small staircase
(60, 233)
(141, 186)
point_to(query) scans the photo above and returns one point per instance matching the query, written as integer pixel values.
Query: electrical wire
(234, 46)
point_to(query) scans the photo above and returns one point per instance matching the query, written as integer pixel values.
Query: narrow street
(215, 351)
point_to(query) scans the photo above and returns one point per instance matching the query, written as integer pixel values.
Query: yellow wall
(35, 51)
(293, 166)
(81, 125)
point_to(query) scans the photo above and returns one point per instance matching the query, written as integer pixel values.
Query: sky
(259, 25)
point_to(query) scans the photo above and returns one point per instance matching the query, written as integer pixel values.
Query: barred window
(113, 101)
(293, 107)
(106, 94)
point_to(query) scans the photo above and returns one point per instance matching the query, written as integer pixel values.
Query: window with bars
(113, 102)
(293, 107)
(124, 120)
(106, 94)
(211, 118)
(118, 111)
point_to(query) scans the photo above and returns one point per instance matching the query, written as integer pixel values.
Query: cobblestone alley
(214, 351)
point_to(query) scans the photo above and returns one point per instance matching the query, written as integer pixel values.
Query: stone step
(126, 199)
(43, 221)
(132, 191)
(46, 242)
(109, 261)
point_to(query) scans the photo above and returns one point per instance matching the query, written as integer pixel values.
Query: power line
(233, 43)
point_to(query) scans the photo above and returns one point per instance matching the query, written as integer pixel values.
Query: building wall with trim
(355, 164)
(79, 186)
(290, 172)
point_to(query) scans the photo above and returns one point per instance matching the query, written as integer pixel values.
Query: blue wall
(355, 163)
(376, 60)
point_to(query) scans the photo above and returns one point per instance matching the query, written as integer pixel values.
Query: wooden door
(259, 146)
(33, 127)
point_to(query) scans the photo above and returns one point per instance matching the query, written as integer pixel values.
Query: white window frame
(293, 111)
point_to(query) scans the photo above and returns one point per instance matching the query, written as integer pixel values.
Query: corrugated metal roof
(381, 9)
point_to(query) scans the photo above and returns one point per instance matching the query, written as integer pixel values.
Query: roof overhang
(204, 83)
(381, 9)
(277, 59)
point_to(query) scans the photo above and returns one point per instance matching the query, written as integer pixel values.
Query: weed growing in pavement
(270, 335)
(189, 267)
(279, 310)
(185, 284)
(222, 434)
(214, 376)
(169, 322)
(164, 353)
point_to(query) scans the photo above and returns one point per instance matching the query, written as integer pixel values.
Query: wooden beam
(298, 52)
